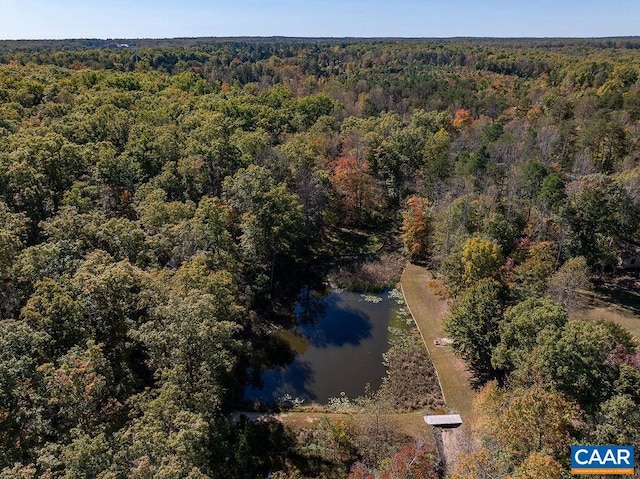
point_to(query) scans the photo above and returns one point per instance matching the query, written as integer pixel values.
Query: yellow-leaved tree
(519, 431)
(481, 258)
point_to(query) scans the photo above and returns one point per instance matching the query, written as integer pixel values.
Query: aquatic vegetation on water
(396, 294)
(289, 401)
(371, 298)
(341, 402)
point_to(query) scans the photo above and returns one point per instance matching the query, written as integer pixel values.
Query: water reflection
(311, 305)
(344, 325)
(297, 379)
(339, 340)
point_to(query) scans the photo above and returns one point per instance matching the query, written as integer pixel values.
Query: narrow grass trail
(407, 423)
(428, 311)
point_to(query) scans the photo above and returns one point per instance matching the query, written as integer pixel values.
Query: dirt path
(408, 423)
(427, 311)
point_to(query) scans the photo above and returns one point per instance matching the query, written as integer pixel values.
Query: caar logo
(602, 460)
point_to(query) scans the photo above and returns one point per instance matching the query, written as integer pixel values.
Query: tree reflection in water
(336, 346)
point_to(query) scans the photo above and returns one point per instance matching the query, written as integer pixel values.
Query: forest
(163, 201)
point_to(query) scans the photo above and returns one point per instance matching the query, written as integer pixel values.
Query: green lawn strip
(427, 311)
(620, 304)
(622, 317)
(409, 423)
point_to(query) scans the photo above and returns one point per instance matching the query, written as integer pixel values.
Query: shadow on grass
(622, 292)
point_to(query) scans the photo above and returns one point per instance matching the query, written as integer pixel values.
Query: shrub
(373, 275)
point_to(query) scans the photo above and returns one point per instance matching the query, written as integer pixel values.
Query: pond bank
(408, 423)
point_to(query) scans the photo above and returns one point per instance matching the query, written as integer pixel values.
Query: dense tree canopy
(161, 207)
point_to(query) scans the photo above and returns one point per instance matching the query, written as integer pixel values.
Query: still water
(339, 340)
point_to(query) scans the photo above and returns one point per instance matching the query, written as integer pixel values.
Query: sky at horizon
(62, 19)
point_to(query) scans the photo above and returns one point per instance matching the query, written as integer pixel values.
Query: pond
(339, 340)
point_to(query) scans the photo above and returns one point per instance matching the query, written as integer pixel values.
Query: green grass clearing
(617, 300)
(428, 310)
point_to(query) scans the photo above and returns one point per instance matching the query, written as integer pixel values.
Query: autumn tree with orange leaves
(413, 460)
(357, 188)
(519, 429)
(416, 228)
(462, 118)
